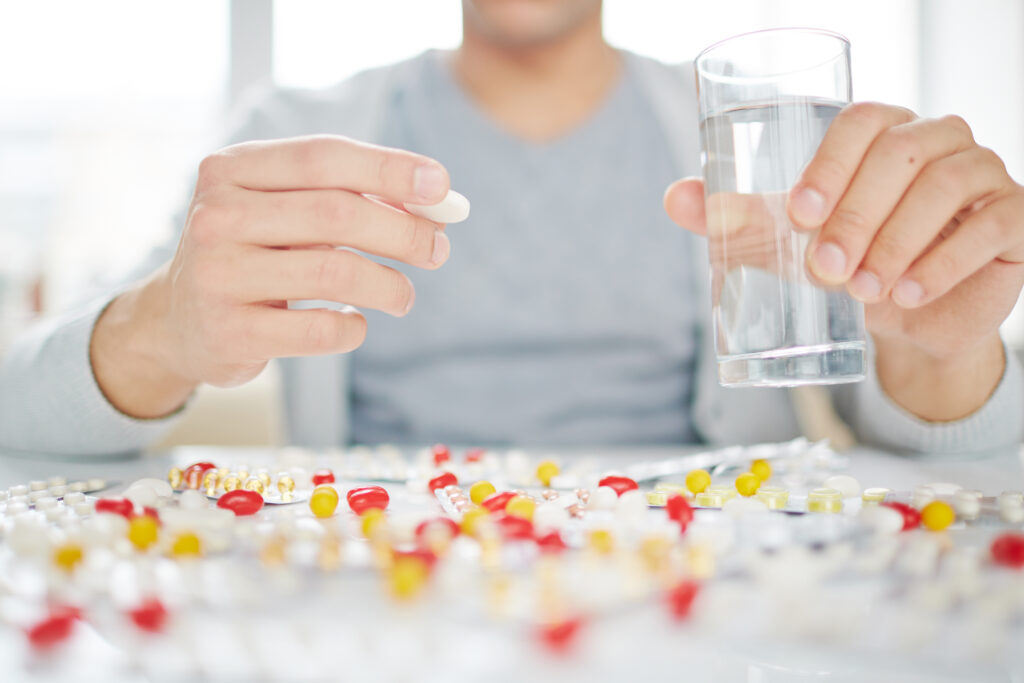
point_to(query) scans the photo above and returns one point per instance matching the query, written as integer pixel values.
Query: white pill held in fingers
(454, 208)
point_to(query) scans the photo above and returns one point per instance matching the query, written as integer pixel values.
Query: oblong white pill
(454, 208)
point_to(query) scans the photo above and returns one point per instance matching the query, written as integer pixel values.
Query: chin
(525, 23)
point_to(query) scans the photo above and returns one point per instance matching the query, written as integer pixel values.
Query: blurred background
(107, 106)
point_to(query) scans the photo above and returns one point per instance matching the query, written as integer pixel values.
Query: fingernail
(442, 247)
(429, 182)
(829, 261)
(907, 293)
(807, 207)
(864, 286)
(412, 300)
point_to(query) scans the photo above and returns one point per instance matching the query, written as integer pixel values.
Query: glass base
(838, 363)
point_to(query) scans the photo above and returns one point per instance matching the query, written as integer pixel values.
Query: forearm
(939, 390)
(127, 353)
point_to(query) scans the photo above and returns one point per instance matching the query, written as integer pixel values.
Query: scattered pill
(937, 515)
(324, 501)
(845, 484)
(698, 480)
(761, 469)
(747, 484)
(454, 208)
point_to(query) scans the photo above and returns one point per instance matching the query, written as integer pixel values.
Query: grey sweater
(50, 402)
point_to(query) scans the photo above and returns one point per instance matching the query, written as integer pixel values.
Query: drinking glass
(766, 99)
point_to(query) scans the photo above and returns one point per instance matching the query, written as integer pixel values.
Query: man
(567, 311)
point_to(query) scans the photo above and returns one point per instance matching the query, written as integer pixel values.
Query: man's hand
(922, 224)
(262, 229)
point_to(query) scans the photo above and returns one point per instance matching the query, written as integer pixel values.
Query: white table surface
(637, 645)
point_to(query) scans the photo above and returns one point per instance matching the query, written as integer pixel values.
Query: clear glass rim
(843, 41)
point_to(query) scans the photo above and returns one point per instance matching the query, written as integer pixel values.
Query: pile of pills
(508, 538)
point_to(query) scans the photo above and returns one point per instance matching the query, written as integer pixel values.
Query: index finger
(824, 181)
(330, 162)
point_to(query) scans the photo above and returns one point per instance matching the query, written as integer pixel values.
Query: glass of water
(766, 99)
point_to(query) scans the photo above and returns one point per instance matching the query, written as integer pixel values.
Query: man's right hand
(262, 229)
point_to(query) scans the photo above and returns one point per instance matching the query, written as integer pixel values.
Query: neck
(541, 91)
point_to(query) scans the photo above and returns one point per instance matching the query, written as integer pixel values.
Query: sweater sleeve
(995, 427)
(50, 401)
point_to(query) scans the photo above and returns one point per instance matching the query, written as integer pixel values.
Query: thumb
(684, 203)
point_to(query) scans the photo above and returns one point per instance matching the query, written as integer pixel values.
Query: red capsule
(619, 483)
(514, 528)
(241, 501)
(442, 480)
(679, 510)
(496, 502)
(559, 636)
(443, 522)
(150, 616)
(54, 629)
(192, 477)
(1008, 550)
(117, 506)
(911, 515)
(475, 454)
(366, 498)
(680, 598)
(324, 476)
(551, 542)
(441, 454)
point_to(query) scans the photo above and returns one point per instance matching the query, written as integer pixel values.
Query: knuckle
(417, 240)
(946, 178)
(887, 253)
(335, 208)
(333, 272)
(211, 170)
(210, 221)
(866, 113)
(958, 125)
(396, 291)
(902, 142)
(848, 224)
(943, 264)
(828, 172)
(989, 157)
(323, 331)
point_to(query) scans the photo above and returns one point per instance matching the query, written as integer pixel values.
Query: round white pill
(73, 498)
(881, 519)
(550, 515)
(141, 495)
(56, 481)
(78, 486)
(632, 505)
(96, 484)
(604, 498)
(454, 208)
(46, 503)
(18, 490)
(845, 484)
(58, 490)
(967, 504)
(160, 487)
(37, 485)
(191, 499)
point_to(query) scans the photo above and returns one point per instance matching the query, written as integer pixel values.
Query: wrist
(939, 389)
(131, 357)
